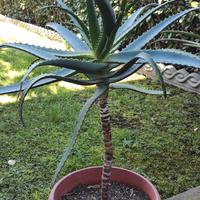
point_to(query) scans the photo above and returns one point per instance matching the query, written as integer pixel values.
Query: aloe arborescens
(95, 55)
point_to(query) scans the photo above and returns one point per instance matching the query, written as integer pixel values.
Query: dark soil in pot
(117, 191)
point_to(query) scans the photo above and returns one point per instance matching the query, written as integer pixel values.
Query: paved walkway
(16, 31)
(192, 194)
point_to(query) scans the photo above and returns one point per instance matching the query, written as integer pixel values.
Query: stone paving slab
(27, 34)
(192, 194)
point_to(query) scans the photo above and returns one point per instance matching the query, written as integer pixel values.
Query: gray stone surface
(192, 194)
(28, 34)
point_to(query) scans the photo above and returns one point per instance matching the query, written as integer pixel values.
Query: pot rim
(55, 187)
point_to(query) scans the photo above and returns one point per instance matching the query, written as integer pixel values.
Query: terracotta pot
(92, 176)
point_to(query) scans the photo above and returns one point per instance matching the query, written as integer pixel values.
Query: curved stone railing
(179, 78)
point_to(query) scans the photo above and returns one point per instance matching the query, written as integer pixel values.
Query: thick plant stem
(106, 128)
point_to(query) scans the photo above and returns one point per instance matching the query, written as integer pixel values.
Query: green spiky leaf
(168, 56)
(132, 66)
(116, 77)
(54, 77)
(136, 89)
(19, 87)
(99, 92)
(150, 34)
(39, 52)
(130, 21)
(81, 66)
(45, 53)
(69, 37)
(107, 14)
(182, 33)
(138, 22)
(183, 42)
(94, 28)
(75, 19)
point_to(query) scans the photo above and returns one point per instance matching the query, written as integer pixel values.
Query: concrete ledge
(192, 194)
(178, 78)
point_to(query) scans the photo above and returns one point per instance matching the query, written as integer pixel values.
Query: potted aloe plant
(96, 58)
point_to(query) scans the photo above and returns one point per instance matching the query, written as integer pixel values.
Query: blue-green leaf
(128, 72)
(48, 76)
(140, 20)
(173, 56)
(136, 89)
(192, 45)
(18, 87)
(183, 33)
(99, 92)
(94, 28)
(46, 53)
(107, 14)
(132, 66)
(69, 37)
(39, 52)
(184, 42)
(125, 28)
(168, 56)
(122, 57)
(75, 19)
(150, 34)
(81, 66)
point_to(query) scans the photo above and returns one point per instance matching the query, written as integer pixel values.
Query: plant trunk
(106, 128)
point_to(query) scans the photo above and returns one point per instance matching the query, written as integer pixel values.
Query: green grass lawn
(157, 137)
